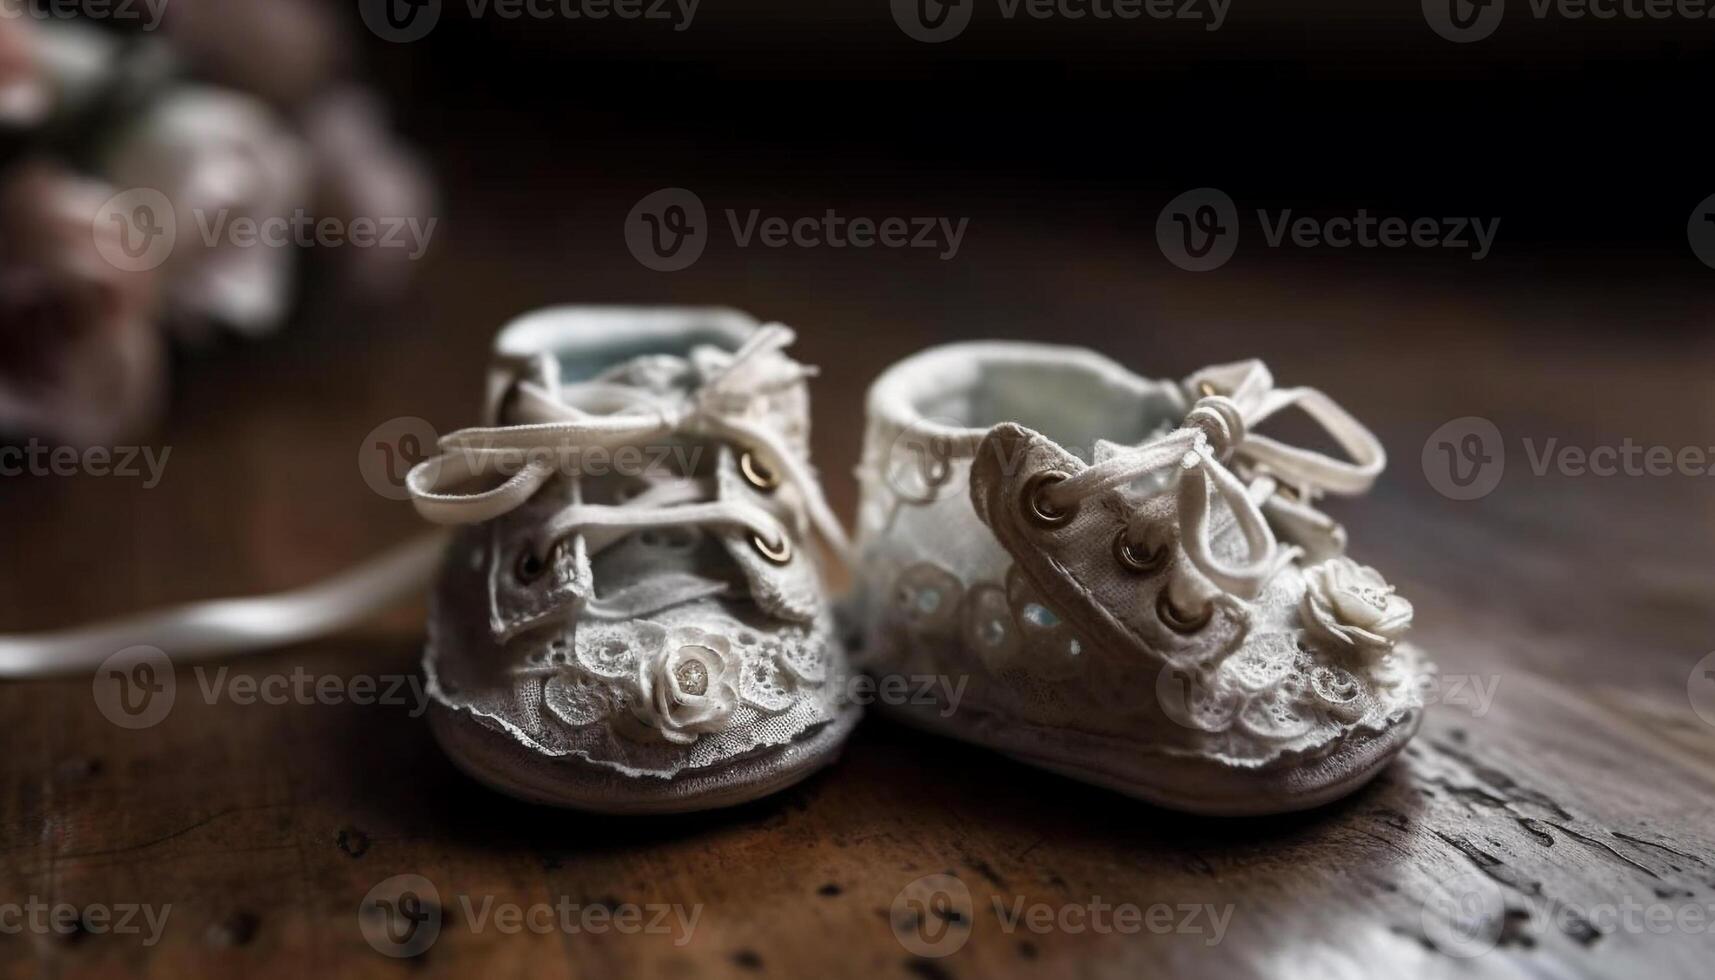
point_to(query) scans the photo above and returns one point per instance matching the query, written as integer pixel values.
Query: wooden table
(1566, 785)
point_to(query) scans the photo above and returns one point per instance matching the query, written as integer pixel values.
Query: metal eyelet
(1134, 559)
(1207, 389)
(756, 474)
(1178, 622)
(1036, 509)
(530, 566)
(778, 554)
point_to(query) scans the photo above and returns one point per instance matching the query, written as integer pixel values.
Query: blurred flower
(228, 164)
(286, 51)
(25, 96)
(365, 173)
(80, 358)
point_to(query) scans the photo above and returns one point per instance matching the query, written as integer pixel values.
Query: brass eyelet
(1036, 509)
(1177, 621)
(756, 474)
(1134, 559)
(778, 554)
(530, 566)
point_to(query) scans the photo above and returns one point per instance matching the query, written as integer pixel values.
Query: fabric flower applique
(690, 687)
(1352, 607)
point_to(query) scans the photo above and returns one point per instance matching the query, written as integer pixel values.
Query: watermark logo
(37, 459)
(400, 21)
(389, 452)
(919, 466)
(401, 917)
(1465, 458)
(1700, 688)
(146, 12)
(931, 916)
(404, 21)
(1463, 21)
(66, 920)
(933, 21)
(135, 230)
(1700, 231)
(1464, 915)
(1198, 231)
(668, 230)
(135, 688)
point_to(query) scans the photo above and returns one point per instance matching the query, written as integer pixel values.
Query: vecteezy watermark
(1466, 915)
(1464, 459)
(146, 13)
(404, 21)
(934, 21)
(1463, 914)
(137, 688)
(41, 918)
(1464, 21)
(939, 691)
(1700, 231)
(668, 230)
(122, 462)
(1700, 689)
(1199, 230)
(149, 229)
(403, 916)
(934, 916)
(389, 451)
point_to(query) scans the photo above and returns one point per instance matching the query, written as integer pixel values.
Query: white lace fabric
(1301, 648)
(666, 632)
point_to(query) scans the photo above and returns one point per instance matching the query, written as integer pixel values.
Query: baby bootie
(628, 618)
(1125, 583)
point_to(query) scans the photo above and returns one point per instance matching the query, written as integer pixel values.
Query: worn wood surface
(1579, 792)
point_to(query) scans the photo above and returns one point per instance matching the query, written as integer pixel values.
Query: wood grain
(1583, 788)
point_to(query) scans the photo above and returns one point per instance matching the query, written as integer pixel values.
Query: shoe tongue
(770, 391)
(657, 374)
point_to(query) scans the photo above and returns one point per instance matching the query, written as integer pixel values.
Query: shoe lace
(1213, 446)
(559, 424)
(555, 421)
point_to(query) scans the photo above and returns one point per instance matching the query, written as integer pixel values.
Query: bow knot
(557, 422)
(1216, 453)
(1222, 424)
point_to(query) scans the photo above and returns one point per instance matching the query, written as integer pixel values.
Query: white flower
(238, 179)
(1352, 606)
(690, 686)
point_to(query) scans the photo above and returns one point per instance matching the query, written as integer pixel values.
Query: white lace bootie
(1125, 583)
(629, 617)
